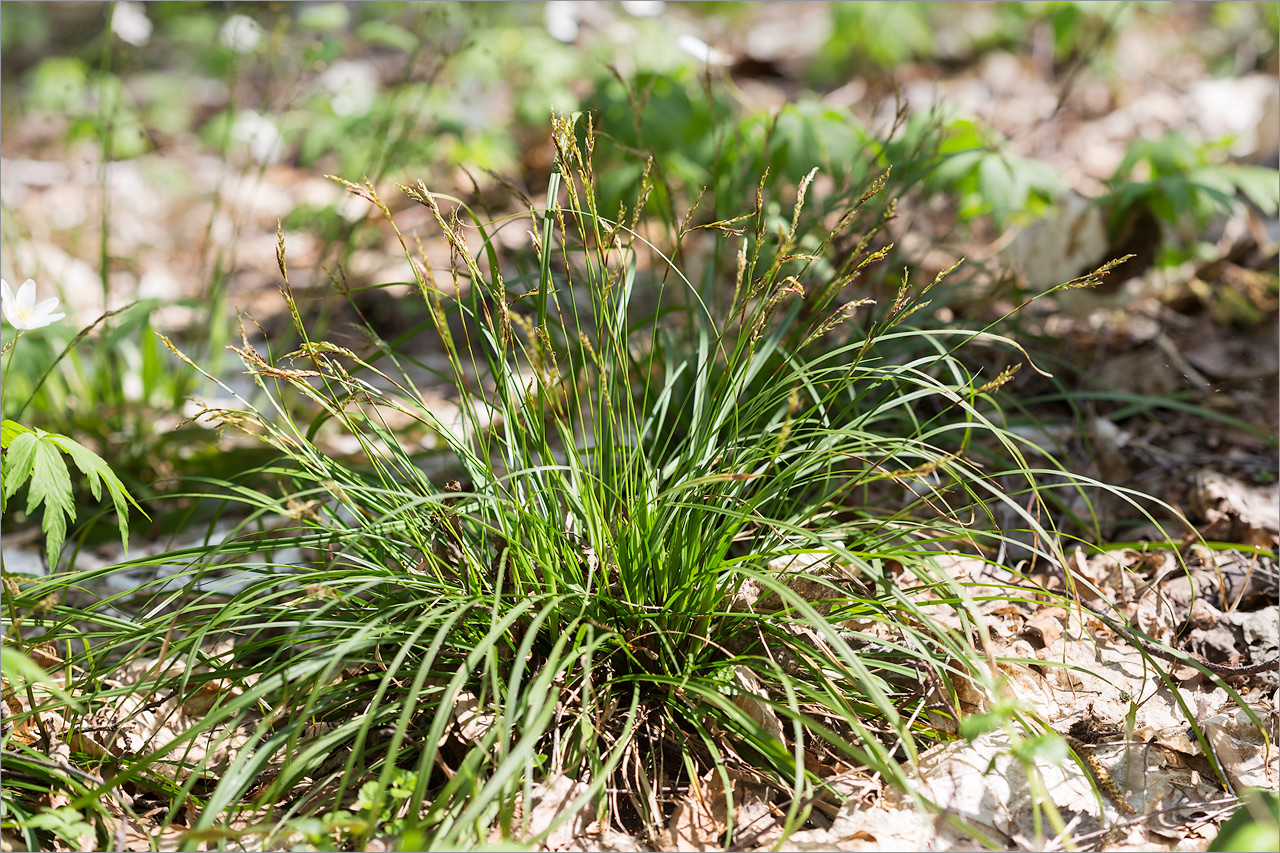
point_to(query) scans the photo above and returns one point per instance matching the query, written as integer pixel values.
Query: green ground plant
(1185, 186)
(33, 457)
(612, 561)
(974, 166)
(113, 383)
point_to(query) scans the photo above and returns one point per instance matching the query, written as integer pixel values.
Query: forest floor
(1198, 341)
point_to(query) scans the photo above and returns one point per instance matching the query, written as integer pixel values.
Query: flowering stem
(77, 339)
(13, 344)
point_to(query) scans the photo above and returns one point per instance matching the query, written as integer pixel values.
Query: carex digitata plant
(681, 525)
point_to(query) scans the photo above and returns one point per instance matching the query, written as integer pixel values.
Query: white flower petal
(240, 33)
(132, 387)
(354, 86)
(644, 8)
(560, 17)
(701, 51)
(27, 294)
(260, 135)
(7, 302)
(130, 23)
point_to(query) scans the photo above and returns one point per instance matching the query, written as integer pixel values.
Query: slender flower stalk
(4, 380)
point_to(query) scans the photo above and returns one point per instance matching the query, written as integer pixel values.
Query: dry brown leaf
(550, 801)
(472, 722)
(165, 839)
(601, 839)
(1108, 441)
(1072, 237)
(698, 822)
(1235, 357)
(1146, 371)
(45, 655)
(1242, 750)
(753, 816)
(885, 827)
(1261, 630)
(749, 702)
(982, 783)
(1232, 509)
(1044, 628)
(211, 693)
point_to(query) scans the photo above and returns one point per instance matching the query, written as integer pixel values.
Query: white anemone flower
(644, 8)
(22, 312)
(240, 33)
(354, 86)
(701, 51)
(260, 136)
(130, 23)
(560, 17)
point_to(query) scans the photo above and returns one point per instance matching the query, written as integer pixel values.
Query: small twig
(1230, 803)
(1190, 659)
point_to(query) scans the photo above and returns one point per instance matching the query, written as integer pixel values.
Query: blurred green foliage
(1255, 827)
(875, 36)
(1177, 178)
(976, 166)
(355, 89)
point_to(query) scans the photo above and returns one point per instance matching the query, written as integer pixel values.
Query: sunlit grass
(612, 580)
